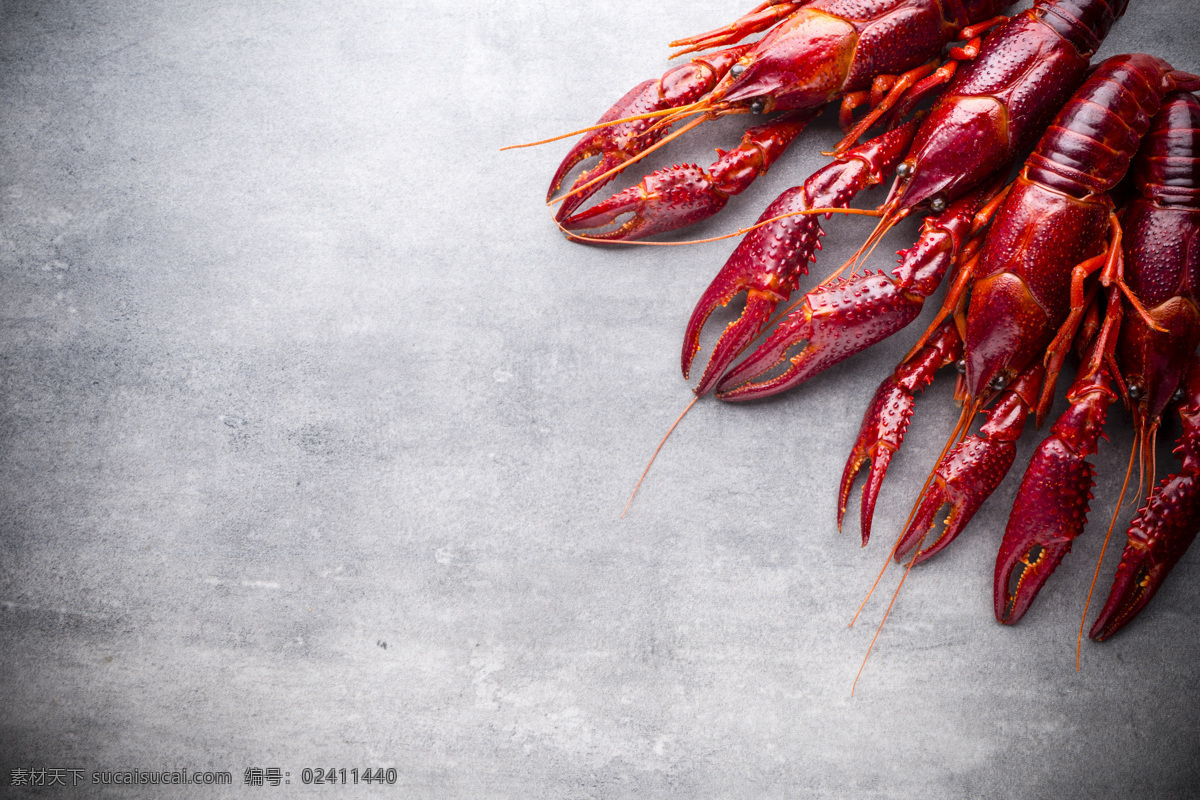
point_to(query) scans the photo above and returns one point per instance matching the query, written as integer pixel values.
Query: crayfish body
(1161, 230)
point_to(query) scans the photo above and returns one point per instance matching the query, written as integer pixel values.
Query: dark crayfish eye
(961, 366)
(904, 170)
(1135, 391)
(999, 382)
(1178, 396)
(937, 205)
(757, 107)
(736, 70)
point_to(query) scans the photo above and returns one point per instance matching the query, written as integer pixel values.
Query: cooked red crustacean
(1053, 236)
(1161, 244)
(1037, 265)
(1054, 229)
(861, 51)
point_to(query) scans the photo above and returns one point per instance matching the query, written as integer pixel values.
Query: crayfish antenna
(1148, 458)
(1100, 561)
(604, 176)
(889, 217)
(650, 463)
(956, 436)
(662, 112)
(1148, 441)
(879, 630)
(960, 431)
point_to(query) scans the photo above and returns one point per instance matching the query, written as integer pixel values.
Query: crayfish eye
(997, 383)
(1135, 391)
(1178, 396)
(938, 204)
(904, 170)
(757, 107)
(961, 366)
(736, 70)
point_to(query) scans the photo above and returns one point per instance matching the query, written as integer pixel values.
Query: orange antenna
(956, 436)
(887, 562)
(606, 175)
(601, 125)
(964, 424)
(879, 630)
(865, 258)
(684, 111)
(1100, 561)
(656, 452)
(1149, 486)
(1147, 438)
(889, 217)
(1142, 484)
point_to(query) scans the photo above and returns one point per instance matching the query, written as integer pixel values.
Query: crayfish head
(801, 63)
(1153, 362)
(1006, 331)
(957, 147)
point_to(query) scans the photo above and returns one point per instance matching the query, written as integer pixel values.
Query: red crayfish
(1037, 265)
(1149, 363)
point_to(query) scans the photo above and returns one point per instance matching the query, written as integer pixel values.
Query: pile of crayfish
(1093, 247)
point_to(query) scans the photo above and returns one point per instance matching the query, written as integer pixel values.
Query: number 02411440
(344, 775)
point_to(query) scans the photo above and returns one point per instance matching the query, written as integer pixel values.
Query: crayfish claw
(1050, 511)
(1158, 537)
(754, 267)
(665, 200)
(773, 257)
(609, 159)
(614, 145)
(969, 473)
(1051, 507)
(966, 478)
(760, 303)
(1163, 529)
(636, 124)
(883, 427)
(1021, 575)
(832, 323)
(684, 194)
(886, 420)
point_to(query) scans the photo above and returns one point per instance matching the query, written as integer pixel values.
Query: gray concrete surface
(316, 436)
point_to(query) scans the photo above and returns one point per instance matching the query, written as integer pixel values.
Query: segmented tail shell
(1082, 22)
(1089, 146)
(1167, 169)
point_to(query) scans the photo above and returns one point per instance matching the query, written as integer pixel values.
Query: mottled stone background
(315, 438)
